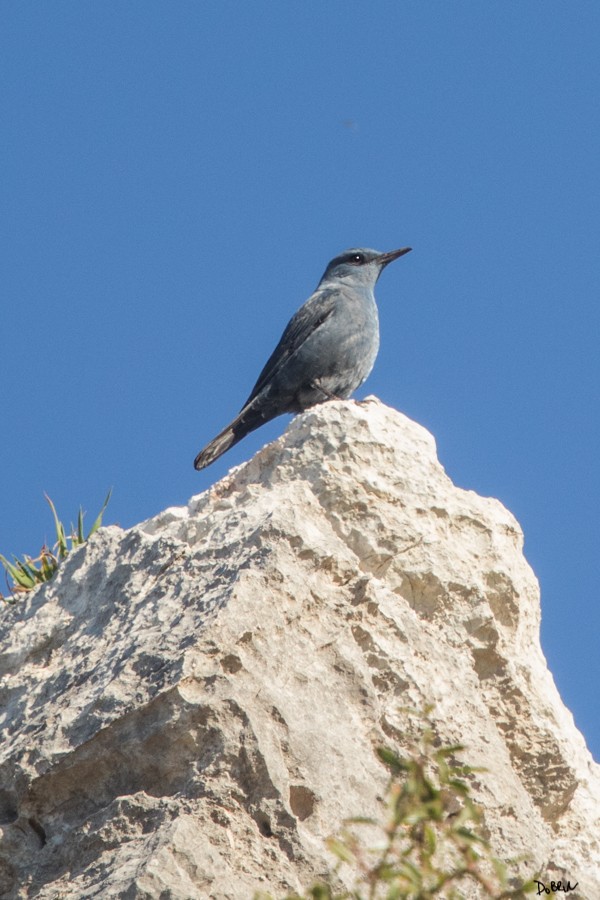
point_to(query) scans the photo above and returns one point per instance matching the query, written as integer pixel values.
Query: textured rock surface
(193, 704)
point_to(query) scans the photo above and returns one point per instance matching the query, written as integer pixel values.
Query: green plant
(429, 845)
(28, 573)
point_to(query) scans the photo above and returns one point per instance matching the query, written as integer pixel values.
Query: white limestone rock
(192, 705)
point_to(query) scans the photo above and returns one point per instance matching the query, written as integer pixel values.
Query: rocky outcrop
(193, 704)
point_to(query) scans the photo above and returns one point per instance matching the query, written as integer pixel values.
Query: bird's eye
(357, 259)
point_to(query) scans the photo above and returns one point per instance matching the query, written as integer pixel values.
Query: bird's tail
(251, 417)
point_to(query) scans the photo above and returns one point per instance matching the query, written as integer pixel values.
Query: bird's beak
(386, 258)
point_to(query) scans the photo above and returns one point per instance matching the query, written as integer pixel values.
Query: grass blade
(98, 521)
(61, 539)
(80, 532)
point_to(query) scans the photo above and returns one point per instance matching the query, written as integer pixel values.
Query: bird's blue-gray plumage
(326, 352)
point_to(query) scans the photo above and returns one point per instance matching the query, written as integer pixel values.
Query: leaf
(27, 572)
(459, 786)
(49, 565)
(61, 539)
(395, 892)
(7, 565)
(385, 871)
(499, 869)
(471, 837)
(98, 521)
(444, 752)
(360, 820)
(392, 760)
(28, 566)
(429, 840)
(340, 849)
(18, 574)
(80, 532)
(411, 873)
(528, 887)
(320, 892)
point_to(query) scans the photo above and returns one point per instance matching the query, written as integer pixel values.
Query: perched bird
(326, 352)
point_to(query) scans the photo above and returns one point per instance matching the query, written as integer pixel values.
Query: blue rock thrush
(326, 352)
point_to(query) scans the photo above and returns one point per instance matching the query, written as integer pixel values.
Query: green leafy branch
(429, 844)
(29, 572)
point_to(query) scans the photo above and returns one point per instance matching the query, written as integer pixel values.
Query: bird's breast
(342, 352)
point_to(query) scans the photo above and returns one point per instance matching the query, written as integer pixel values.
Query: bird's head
(360, 266)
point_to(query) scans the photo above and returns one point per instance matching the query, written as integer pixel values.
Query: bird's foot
(319, 387)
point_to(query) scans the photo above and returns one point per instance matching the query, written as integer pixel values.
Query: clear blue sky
(175, 176)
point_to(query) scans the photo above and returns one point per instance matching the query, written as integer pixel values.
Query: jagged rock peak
(192, 705)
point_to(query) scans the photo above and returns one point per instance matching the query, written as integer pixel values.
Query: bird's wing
(305, 322)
